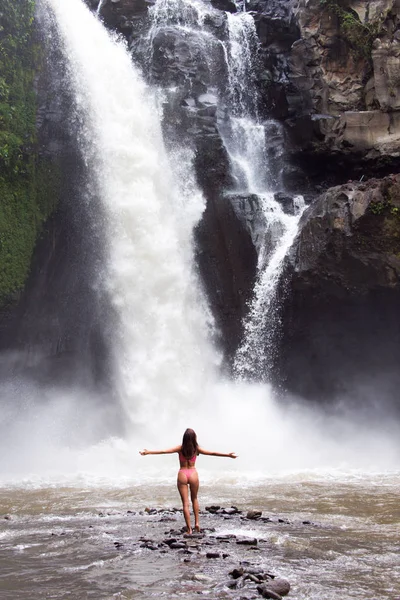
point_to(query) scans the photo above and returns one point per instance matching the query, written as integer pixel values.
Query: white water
(162, 357)
(293, 462)
(100, 6)
(242, 49)
(292, 443)
(255, 352)
(245, 139)
(184, 13)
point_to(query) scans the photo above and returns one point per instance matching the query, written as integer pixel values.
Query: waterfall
(159, 325)
(244, 136)
(245, 140)
(151, 203)
(242, 51)
(180, 13)
(257, 348)
(100, 6)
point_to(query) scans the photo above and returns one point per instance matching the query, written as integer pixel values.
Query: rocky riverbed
(326, 538)
(228, 565)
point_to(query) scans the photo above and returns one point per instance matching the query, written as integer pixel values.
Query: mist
(51, 434)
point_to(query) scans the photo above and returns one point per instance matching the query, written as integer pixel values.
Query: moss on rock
(360, 36)
(28, 184)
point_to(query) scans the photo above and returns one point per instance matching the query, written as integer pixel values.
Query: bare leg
(184, 493)
(194, 488)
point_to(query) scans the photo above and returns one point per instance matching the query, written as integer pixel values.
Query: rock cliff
(327, 70)
(332, 76)
(341, 331)
(49, 318)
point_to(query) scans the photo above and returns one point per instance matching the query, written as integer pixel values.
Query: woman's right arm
(223, 455)
(169, 451)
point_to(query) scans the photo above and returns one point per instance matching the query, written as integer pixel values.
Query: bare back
(187, 463)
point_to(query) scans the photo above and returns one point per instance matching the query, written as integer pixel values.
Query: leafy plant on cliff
(389, 206)
(359, 35)
(24, 180)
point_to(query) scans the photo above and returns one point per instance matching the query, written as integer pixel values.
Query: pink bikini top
(184, 459)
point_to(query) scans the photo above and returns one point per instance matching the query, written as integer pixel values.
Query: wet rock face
(331, 80)
(356, 221)
(277, 31)
(227, 261)
(328, 70)
(347, 74)
(56, 332)
(340, 105)
(340, 309)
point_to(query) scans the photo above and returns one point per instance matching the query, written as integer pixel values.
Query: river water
(57, 546)
(339, 473)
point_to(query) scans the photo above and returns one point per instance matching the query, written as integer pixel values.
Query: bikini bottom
(187, 471)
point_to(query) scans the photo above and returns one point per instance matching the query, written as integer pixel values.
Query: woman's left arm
(221, 454)
(169, 451)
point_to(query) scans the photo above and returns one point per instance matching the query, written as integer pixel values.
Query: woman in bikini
(187, 475)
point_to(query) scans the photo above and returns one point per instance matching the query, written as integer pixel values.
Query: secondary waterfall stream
(244, 136)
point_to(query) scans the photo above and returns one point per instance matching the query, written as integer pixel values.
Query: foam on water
(292, 443)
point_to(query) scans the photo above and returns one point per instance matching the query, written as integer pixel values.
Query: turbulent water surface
(57, 546)
(66, 505)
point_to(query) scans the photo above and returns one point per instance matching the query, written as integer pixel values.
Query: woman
(187, 475)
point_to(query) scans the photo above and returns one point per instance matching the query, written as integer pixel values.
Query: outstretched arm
(169, 451)
(208, 453)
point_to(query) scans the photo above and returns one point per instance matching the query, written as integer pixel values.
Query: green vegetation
(389, 210)
(380, 231)
(27, 184)
(384, 207)
(378, 208)
(359, 35)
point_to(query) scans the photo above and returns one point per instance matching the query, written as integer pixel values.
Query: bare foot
(197, 528)
(189, 531)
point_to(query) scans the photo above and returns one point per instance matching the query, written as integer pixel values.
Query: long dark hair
(189, 444)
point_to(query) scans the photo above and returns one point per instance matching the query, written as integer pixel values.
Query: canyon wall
(340, 295)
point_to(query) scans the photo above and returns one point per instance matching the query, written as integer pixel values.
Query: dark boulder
(340, 295)
(253, 514)
(124, 16)
(226, 5)
(266, 592)
(286, 201)
(279, 586)
(227, 260)
(248, 209)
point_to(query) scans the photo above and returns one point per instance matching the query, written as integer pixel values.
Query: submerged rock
(247, 541)
(254, 514)
(266, 592)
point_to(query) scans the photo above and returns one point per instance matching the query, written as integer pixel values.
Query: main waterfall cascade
(165, 369)
(161, 353)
